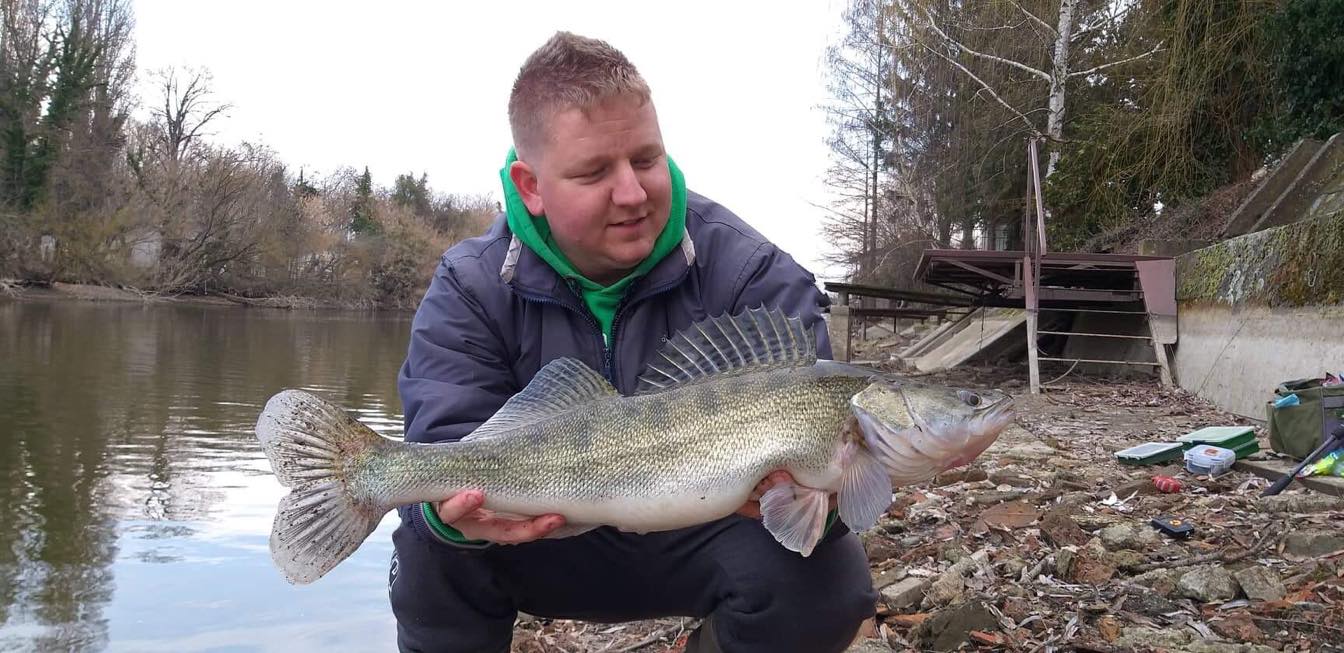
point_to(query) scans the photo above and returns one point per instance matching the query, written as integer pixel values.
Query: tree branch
(1020, 66)
(1034, 18)
(1104, 66)
(988, 89)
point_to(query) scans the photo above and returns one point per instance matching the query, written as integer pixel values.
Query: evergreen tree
(412, 193)
(361, 209)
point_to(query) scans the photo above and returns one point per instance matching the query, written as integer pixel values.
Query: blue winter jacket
(495, 313)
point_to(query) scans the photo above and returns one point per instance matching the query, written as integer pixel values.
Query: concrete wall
(1263, 308)
(1235, 357)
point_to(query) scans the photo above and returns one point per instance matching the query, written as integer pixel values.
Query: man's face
(602, 181)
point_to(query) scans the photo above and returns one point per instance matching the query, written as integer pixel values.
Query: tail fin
(313, 447)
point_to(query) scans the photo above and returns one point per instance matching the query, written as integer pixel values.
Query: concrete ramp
(1290, 191)
(1280, 179)
(961, 341)
(932, 338)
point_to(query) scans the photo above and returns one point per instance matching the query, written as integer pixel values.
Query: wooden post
(1033, 310)
(1160, 352)
(1031, 270)
(840, 332)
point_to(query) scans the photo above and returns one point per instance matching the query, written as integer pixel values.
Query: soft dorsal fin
(751, 340)
(562, 385)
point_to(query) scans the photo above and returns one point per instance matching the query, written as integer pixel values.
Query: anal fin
(795, 515)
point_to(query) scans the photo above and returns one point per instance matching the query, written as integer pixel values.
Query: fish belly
(680, 501)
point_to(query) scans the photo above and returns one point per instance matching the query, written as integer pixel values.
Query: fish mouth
(998, 417)
(983, 430)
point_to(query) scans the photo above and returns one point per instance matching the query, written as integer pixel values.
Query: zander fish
(725, 403)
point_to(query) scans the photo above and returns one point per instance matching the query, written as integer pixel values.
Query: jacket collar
(524, 271)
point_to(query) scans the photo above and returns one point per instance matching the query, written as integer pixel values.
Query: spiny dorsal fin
(751, 340)
(561, 385)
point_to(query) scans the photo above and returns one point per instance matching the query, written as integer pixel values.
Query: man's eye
(645, 163)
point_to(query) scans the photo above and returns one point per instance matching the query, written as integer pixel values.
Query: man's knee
(835, 605)
(445, 600)
(815, 606)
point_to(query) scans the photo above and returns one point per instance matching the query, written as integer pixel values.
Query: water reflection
(136, 504)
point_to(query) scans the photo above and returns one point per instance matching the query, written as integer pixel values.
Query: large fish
(728, 401)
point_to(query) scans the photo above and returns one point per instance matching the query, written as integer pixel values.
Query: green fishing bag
(1298, 430)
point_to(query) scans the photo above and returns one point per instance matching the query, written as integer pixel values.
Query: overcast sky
(423, 87)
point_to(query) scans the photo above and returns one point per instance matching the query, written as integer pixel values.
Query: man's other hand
(752, 508)
(464, 513)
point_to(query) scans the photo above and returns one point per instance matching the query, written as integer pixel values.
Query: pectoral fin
(865, 488)
(795, 515)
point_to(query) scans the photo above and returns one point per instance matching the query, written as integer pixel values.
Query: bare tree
(185, 109)
(859, 67)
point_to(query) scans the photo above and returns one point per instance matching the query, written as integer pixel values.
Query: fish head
(929, 427)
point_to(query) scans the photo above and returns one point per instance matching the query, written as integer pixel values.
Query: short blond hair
(568, 71)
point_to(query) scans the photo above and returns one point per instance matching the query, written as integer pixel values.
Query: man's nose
(627, 191)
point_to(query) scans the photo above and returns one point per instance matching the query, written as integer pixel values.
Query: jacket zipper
(608, 349)
(542, 299)
(613, 371)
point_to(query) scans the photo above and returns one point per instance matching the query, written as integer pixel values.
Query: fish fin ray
(307, 553)
(795, 515)
(865, 489)
(562, 385)
(751, 340)
(313, 447)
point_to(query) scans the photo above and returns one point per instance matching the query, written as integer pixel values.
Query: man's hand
(752, 508)
(464, 513)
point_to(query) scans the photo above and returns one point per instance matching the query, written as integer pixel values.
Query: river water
(135, 503)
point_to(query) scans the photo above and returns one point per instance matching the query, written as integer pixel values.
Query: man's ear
(524, 178)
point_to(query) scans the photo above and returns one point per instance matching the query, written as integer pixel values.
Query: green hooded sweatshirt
(601, 300)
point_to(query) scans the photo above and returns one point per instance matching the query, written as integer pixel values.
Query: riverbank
(13, 289)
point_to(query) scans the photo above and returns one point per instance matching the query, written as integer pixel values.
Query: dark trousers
(759, 596)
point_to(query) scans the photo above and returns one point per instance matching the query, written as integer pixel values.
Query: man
(601, 254)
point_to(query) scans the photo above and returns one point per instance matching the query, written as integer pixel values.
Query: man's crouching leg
(771, 599)
(446, 600)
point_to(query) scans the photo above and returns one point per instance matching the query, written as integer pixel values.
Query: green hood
(601, 300)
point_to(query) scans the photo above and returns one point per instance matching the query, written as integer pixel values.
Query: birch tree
(1066, 31)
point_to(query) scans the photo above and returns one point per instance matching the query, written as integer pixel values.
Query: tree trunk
(1059, 74)
(876, 128)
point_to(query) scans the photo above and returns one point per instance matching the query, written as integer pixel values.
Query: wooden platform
(997, 278)
(1118, 286)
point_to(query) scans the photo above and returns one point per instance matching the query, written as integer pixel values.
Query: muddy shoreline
(12, 290)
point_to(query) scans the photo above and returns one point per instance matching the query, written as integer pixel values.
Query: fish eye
(970, 398)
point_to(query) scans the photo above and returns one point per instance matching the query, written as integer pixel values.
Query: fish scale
(639, 447)
(730, 401)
